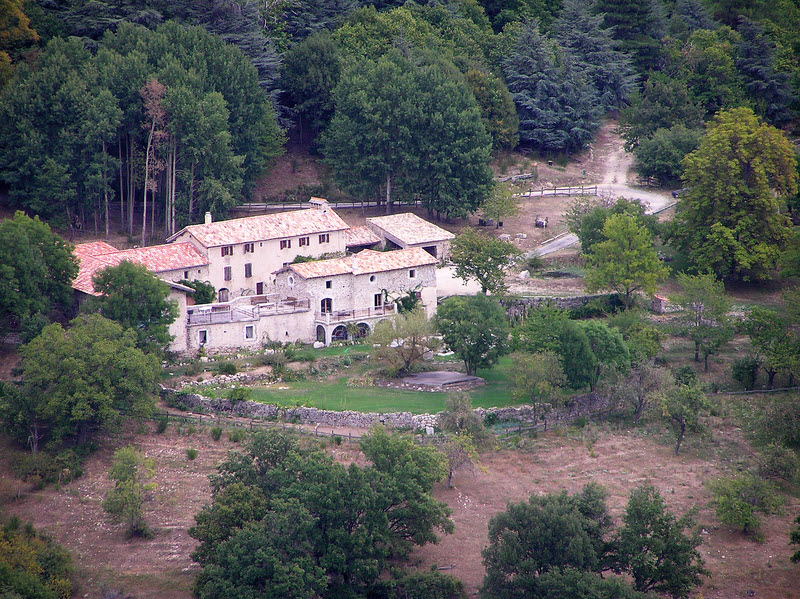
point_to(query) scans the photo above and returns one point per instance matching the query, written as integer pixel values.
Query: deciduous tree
(475, 328)
(403, 340)
(682, 407)
(482, 258)
(729, 220)
(655, 550)
(124, 502)
(626, 262)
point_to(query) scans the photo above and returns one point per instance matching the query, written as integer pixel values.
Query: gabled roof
(266, 226)
(410, 229)
(98, 255)
(365, 262)
(360, 236)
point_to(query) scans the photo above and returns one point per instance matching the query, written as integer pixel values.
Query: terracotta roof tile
(95, 256)
(360, 235)
(266, 226)
(364, 262)
(410, 229)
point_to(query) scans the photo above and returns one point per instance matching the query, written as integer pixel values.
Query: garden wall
(582, 405)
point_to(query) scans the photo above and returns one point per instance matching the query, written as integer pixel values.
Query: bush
(277, 358)
(124, 502)
(44, 468)
(781, 422)
(777, 461)
(161, 424)
(738, 502)
(216, 433)
(235, 436)
(227, 368)
(745, 371)
(337, 440)
(238, 394)
(534, 262)
(191, 453)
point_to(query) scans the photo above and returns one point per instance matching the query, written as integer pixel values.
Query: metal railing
(356, 314)
(233, 313)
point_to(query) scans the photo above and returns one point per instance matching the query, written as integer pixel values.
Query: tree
(36, 270)
(557, 110)
(137, 299)
(543, 535)
(794, 539)
(475, 328)
(609, 349)
(738, 501)
(655, 550)
(498, 113)
(637, 26)
(402, 341)
(681, 406)
(32, 565)
(459, 417)
(125, 500)
(459, 451)
(536, 378)
(660, 157)
(662, 103)
(204, 292)
(500, 204)
(643, 339)
(641, 388)
(290, 520)
(608, 70)
(586, 217)
(482, 258)
(541, 330)
(626, 261)
(729, 221)
(705, 313)
(409, 127)
(80, 380)
(580, 362)
(772, 339)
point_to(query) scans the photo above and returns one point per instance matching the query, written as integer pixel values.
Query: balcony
(337, 316)
(243, 309)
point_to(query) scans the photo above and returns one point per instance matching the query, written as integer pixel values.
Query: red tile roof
(360, 235)
(267, 226)
(410, 229)
(97, 255)
(364, 262)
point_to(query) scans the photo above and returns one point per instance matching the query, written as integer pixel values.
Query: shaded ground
(619, 460)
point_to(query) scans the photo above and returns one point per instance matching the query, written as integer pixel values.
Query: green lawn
(338, 396)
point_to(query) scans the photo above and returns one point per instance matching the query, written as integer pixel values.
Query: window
(227, 273)
(372, 278)
(286, 244)
(202, 337)
(326, 305)
(227, 250)
(328, 284)
(291, 280)
(249, 332)
(303, 241)
(249, 248)
(259, 288)
(412, 273)
(186, 274)
(378, 300)
(325, 238)
(248, 270)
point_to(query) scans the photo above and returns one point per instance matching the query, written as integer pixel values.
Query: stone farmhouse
(408, 230)
(262, 294)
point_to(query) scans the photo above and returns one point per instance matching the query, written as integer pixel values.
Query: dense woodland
(160, 111)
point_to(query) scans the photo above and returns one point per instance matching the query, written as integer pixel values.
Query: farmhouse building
(244, 252)
(262, 295)
(408, 230)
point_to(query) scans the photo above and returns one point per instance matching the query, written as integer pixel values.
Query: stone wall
(519, 306)
(579, 406)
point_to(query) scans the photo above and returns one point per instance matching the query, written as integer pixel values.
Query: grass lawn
(336, 395)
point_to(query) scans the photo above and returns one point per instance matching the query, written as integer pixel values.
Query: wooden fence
(559, 191)
(251, 208)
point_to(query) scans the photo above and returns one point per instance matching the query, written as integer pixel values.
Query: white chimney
(208, 218)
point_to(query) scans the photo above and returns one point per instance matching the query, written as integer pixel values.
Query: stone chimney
(208, 218)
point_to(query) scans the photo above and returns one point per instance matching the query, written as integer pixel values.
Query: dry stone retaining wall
(579, 406)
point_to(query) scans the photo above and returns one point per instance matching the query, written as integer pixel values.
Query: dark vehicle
(679, 192)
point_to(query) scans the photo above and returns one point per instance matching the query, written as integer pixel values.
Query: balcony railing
(356, 314)
(232, 312)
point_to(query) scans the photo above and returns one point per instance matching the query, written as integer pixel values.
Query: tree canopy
(290, 522)
(729, 221)
(482, 258)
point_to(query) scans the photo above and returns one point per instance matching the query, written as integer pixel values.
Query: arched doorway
(223, 294)
(339, 333)
(362, 330)
(320, 333)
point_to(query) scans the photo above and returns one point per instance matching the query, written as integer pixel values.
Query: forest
(157, 112)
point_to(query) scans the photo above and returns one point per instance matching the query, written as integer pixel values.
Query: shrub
(191, 453)
(778, 461)
(534, 262)
(745, 371)
(235, 436)
(227, 368)
(216, 433)
(129, 471)
(238, 394)
(781, 422)
(44, 468)
(337, 440)
(738, 502)
(277, 358)
(161, 424)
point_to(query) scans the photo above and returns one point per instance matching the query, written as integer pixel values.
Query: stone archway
(321, 334)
